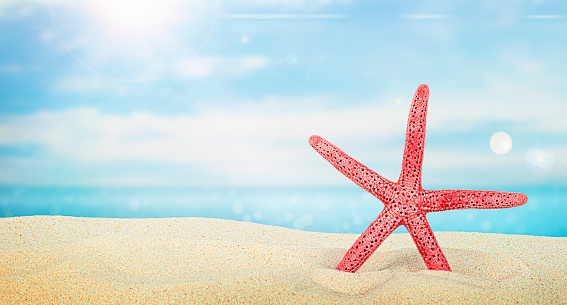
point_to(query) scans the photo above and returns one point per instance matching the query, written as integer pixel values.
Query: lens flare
(540, 160)
(130, 40)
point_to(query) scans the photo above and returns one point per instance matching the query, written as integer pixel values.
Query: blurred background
(204, 108)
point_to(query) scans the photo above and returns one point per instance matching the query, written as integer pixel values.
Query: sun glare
(135, 17)
(134, 40)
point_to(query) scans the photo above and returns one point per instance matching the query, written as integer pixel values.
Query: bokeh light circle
(540, 160)
(237, 208)
(291, 58)
(500, 143)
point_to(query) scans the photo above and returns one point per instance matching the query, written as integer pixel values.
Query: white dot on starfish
(500, 143)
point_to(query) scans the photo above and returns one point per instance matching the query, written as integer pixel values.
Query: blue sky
(228, 92)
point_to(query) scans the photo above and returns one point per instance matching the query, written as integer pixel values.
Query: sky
(227, 93)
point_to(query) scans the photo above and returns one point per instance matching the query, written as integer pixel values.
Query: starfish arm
(415, 139)
(443, 200)
(428, 247)
(352, 169)
(368, 241)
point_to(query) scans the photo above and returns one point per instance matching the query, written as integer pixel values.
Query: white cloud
(249, 146)
(14, 8)
(10, 68)
(90, 84)
(249, 133)
(522, 63)
(85, 134)
(258, 143)
(289, 3)
(544, 17)
(24, 7)
(206, 66)
(426, 16)
(284, 16)
(530, 110)
(47, 36)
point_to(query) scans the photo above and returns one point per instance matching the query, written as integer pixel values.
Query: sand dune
(54, 259)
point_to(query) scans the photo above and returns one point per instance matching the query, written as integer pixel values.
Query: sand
(55, 259)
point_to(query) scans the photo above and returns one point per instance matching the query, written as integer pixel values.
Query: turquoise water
(336, 210)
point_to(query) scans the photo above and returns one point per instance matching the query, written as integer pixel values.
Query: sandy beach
(56, 259)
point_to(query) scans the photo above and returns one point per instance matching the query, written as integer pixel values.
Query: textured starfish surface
(405, 201)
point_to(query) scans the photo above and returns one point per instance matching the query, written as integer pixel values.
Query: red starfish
(405, 202)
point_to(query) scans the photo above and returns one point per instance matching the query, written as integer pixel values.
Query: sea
(319, 209)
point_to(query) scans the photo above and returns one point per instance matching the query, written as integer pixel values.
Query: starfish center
(406, 203)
